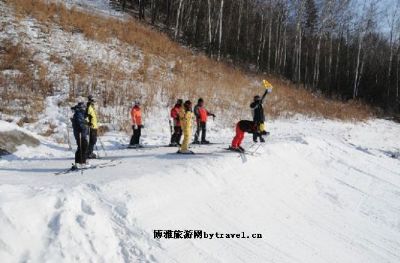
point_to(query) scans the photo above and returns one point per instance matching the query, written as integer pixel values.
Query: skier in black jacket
(80, 127)
(257, 111)
(242, 127)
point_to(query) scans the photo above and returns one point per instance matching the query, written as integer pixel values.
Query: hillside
(324, 187)
(50, 51)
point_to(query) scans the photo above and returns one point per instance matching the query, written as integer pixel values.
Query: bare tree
(366, 23)
(221, 14)
(393, 19)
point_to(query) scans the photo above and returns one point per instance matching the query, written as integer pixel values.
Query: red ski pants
(237, 141)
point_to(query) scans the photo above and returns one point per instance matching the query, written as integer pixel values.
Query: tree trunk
(329, 77)
(221, 13)
(209, 28)
(154, 11)
(178, 16)
(397, 82)
(317, 62)
(269, 41)
(239, 28)
(390, 64)
(338, 59)
(299, 58)
(168, 16)
(195, 22)
(284, 48)
(142, 9)
(357, 69)
(261, 41)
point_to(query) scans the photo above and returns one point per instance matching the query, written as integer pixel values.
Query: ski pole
(80, 150)
(102, 146)
(97, 151)
(171, 127)
(68, 139)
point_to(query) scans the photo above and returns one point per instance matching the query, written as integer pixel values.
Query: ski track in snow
(312, 194)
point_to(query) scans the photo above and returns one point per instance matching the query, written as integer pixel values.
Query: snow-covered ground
(319, 191)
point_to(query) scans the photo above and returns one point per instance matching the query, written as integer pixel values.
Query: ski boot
(74, 167)
(92, 156)
(205, 142)
(85, 165)
(185, 152)
(238, 149)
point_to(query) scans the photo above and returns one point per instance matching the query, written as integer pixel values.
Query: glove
(142, 126)
(135, 126)
(214, 116)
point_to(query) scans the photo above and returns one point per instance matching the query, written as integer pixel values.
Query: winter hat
(188, 105)
(79, 106)
(257, 97)
(91, 98)
(200, 101)
(179, 101)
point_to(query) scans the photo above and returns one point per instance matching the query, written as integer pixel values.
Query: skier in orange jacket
(137, 125)
(201, 120)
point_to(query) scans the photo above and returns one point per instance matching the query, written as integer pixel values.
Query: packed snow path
(320, 191)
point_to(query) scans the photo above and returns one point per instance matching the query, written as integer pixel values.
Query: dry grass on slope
(23, 83)
(179, 73)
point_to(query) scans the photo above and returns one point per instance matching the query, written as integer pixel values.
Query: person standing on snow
(93, 126)
(80, 128)
(257, 111)
(242, 127)
(136, 118)
(201, 120)
(177, 134)
(186, 123)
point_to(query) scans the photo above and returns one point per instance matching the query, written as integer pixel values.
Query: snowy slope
(320, 191)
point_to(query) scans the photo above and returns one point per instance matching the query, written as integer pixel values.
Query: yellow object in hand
(267, 85)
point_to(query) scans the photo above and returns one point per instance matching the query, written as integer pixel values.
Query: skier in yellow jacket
(186, 122)
(93, 126)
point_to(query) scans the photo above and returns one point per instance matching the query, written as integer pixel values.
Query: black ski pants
(92, 140)
(81, 151)
(176, 136)
(135, 139)
(201, 127)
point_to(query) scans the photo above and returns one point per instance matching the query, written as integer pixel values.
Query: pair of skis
(110, 163)
(252, 150)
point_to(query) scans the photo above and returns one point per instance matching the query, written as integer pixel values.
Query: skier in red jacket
(242, 127)
(177, 134)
